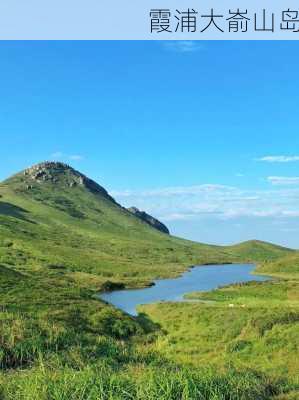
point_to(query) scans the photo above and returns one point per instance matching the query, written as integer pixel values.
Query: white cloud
(183, 46)
(213, 201)
(279, 159)
(290, 230)
(283, 180)
(177, 190)
(76, 157)
(58, 155)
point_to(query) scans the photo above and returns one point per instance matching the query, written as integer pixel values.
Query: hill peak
(49, 165)
(50, 171)
(57, 174)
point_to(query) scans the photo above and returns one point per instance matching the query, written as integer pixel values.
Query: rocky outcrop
(149, 220)
(60, 173)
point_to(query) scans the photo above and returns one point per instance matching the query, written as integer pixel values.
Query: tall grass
(101, 382)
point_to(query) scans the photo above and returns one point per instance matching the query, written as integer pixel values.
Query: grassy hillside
(53, 224)
(58, 344)
(61, 238)
(285, 267)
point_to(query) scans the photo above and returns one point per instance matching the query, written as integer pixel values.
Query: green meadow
(63, 238)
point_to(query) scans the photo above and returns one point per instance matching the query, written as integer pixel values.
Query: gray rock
(155, 223)
(52, 172)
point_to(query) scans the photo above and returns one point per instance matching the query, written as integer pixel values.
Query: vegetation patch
(109, 286)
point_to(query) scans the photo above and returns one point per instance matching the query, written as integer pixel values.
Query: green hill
(53, 218)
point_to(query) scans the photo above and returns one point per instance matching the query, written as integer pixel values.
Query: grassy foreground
(60, 241)
(58, 343)
(251, 326)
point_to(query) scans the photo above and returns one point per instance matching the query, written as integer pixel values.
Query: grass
(252, 325)
(66, 346)
(59, 244)
(101, 382)
(286, 267)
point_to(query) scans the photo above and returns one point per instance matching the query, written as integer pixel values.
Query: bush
(109, 286)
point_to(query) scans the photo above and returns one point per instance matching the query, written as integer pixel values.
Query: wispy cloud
(58, 155)
(213, 201)
(278, 159)
(76, 157)
(175, 191)
(283, 180)
(183, 46)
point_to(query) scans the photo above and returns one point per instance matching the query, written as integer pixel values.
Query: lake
(199, 278)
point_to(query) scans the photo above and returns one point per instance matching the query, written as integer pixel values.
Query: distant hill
(56, 221)
(287, 266)
(259, 249)
(152, 221)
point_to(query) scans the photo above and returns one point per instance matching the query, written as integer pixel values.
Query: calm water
(197, 279)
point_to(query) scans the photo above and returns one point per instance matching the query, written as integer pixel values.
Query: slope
(53, 219)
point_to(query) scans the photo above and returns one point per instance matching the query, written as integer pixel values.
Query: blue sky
(203, 135)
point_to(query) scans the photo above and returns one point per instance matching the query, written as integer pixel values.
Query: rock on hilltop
(58, 184)
(149, 219)
(56, 173)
